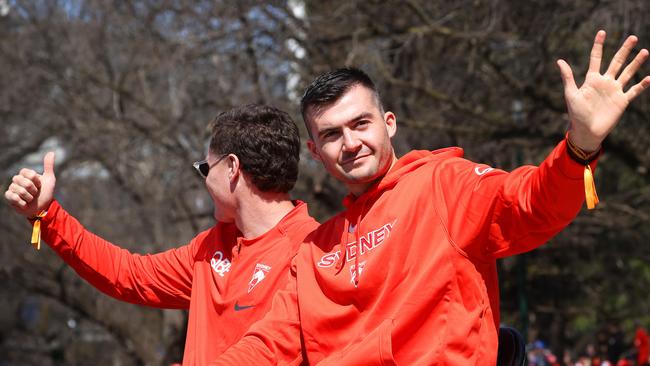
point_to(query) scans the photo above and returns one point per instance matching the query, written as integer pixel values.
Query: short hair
(327, 88)
(266, 141)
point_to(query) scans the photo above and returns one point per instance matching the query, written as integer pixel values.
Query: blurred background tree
(124, 91)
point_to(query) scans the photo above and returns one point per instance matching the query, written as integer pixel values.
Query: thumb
(48, 164)
(567, 76)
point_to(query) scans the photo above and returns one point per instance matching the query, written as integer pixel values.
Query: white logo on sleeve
(259, 274)
(219, 264)
(480, 171)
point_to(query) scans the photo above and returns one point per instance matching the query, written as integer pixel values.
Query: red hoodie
(641, 344)
(227, 282)
(422, 245)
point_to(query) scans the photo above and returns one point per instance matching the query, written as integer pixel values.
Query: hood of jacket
(356, 205)
(403, 166)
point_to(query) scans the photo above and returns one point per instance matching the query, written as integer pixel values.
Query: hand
(596, 107)
(30, 192)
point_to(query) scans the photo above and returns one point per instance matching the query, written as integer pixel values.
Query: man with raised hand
(227, 275)
(407, 273)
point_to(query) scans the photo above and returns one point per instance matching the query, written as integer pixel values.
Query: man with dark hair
(227, 275)
(266, 141)
(407, 273)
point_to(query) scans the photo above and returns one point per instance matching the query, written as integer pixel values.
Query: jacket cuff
(567, 165)
(50, 213)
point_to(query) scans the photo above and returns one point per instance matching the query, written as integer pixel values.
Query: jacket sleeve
(161, 280)
(493, 214)
(276, 338)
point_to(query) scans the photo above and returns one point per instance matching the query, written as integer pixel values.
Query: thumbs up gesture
(29, 192)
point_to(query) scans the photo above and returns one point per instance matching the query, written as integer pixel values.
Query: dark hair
(329, 87)
(266, 141)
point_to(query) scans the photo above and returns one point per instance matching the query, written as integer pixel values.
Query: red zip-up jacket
(407, 274)
(227, 282)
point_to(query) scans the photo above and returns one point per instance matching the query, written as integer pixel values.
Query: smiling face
(352, 138)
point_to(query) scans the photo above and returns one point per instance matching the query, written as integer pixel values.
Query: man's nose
(350, 141)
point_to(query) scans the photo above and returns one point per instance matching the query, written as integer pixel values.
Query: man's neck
(257, 214)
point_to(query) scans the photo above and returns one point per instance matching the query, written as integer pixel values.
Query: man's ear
(391, 123)
(234, 168)
(313, 149)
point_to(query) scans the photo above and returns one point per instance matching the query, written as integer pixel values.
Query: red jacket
(641, 344)
(225, 281)
(422, 243)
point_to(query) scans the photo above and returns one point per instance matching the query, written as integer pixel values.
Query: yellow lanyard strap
(585, 158)
(36, 230)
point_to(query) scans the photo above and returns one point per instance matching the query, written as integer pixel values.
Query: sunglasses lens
(204, 169)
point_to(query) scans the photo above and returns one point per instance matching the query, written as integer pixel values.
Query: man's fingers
(621, 55)
(637, 89)
(19, 206)
(21, 192)
(27, 173)
(597, 52)
(14, 200)
(633, 67)
(567, 76)
(31, 175)
(27, 184)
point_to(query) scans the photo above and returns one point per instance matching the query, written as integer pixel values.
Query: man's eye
(328, 134)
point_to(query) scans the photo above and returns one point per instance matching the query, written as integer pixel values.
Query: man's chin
(359, 177)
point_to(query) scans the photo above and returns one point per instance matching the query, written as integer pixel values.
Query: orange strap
(585, 158)
(590, 189)
(36, 230)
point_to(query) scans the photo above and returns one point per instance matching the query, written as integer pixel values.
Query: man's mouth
(352, 159)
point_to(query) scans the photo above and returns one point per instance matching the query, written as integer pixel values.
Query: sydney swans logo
(367, 243)
(259, 274)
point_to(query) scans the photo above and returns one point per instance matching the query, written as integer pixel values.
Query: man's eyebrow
(363, 115)
(360, 116)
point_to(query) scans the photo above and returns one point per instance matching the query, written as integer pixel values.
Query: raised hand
(30, 192)
(596, 107)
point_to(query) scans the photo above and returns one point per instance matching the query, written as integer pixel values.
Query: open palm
(596, 107)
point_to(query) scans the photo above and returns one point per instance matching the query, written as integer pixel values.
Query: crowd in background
(610, 348)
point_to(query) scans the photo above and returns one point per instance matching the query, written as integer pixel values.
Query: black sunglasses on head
(203, 167)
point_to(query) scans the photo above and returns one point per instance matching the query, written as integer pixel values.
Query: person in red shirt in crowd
(641, 345)
(407, 273)
(226, 276)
